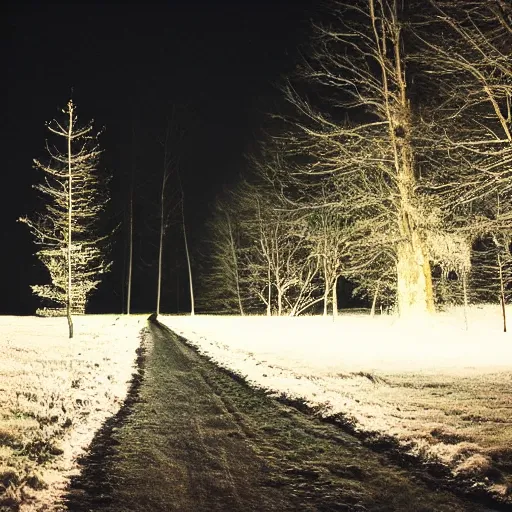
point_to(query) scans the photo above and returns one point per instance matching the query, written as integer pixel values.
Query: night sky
(215, 64)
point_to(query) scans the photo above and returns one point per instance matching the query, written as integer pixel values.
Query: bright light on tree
(65, 229)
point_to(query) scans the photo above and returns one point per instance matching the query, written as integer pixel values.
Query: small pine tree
(65, 229)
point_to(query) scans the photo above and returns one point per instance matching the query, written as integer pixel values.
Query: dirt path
(192, 438)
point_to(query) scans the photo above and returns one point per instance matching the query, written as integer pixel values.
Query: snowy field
(442, 391)
(55, 393)
(354, 342)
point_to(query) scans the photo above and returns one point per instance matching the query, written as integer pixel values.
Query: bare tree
(491, 277)
(277, 257)
(168, 200)
(346, 243)
(492, 262)
(292, 265)
(367, 139)
(70, 251)
(130, 229)
(331, 240)
(163, 226)
(223, 280)
(467, 54)
(412, 177)
(467, 51)
(263, 252)
(187, 254)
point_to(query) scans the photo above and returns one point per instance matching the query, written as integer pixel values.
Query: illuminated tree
(326, 233)
(261, 256)
(341, 244)
(284, 247)
(357, 65)
(491, 276)
(329, 240)
(65, 230)
(466, 57)
(223, 281)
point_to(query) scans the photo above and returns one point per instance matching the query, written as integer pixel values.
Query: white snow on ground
(321, 346)
(83, 380)
(420, 382)
(322, 362)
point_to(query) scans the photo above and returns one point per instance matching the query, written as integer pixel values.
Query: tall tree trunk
(327, 285)
(192, 312)
(465, 293)
(160, 248)
(235, 265)
(70, 217)
(502, 293)
(130, 258)
(335, 298)
(414, 280)
(326, 300)
(269, 284)
(130, 249)
(279, 302)
(374, 301)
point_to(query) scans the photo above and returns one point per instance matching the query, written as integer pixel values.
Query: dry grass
(462, 422)
(54, 394)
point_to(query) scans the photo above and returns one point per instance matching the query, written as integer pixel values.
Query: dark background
(128, 67)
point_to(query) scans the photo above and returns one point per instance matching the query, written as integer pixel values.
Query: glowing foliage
(65, 228)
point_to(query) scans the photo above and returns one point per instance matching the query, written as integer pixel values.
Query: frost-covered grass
(55, 393)
(442, 392)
